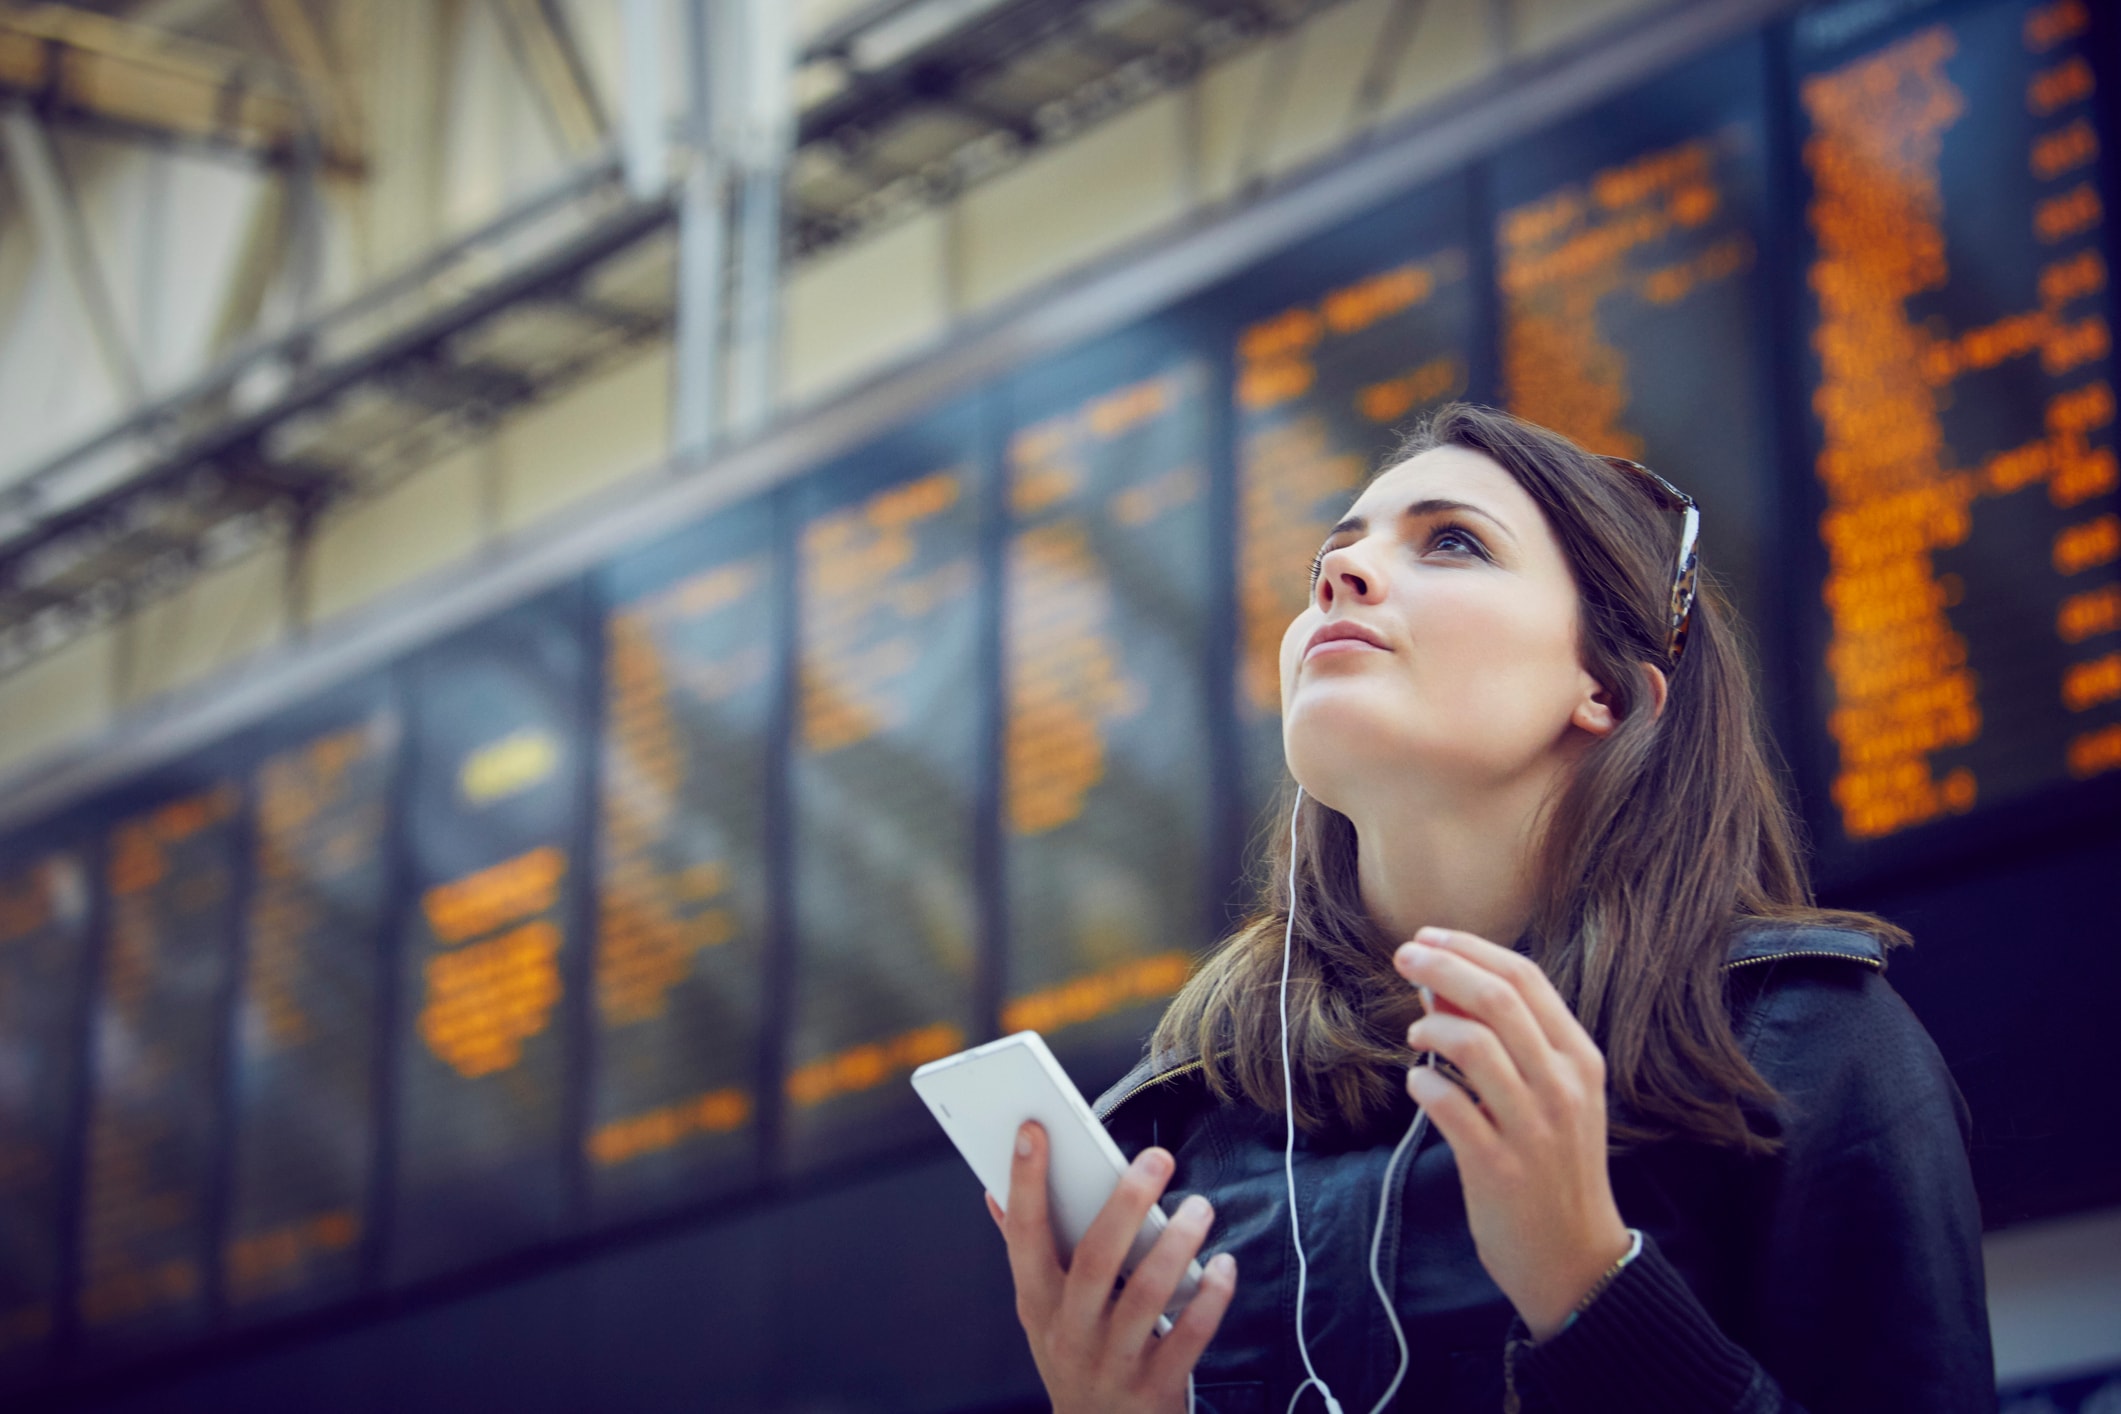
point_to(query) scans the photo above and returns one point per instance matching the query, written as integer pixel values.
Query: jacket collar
(1756, 943)
(1769, 942)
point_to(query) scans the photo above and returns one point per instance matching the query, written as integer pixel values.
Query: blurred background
(584, 584)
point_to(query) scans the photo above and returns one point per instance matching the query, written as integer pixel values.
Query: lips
(1345, 631)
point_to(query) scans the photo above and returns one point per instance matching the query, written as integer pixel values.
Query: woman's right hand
(1098, 1352)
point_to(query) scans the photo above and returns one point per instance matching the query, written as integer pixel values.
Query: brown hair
(1672, 830)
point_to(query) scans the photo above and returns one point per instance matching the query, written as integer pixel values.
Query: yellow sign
(510, 766)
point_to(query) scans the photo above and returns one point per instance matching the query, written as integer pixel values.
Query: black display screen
(692, 672)
(1967, 639)
(1340, 344)
(170, 880)
(1106, 743)
(1628, 244)
(307, 1021)
(44, 920)
(891, 723)
(487, 947)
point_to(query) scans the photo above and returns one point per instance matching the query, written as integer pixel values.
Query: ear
(1653, 677)
(1594, 709)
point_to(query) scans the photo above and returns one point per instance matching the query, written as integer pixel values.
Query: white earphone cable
(1411, 1139)
(1288, 1157)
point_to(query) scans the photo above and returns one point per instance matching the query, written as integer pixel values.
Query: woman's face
(1464, 670)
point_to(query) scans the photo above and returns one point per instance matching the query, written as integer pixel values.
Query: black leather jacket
(1841, 1274)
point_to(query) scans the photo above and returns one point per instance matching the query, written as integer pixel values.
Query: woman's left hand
(1532, 1151)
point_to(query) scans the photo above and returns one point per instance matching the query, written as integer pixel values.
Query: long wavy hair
(1672, 830)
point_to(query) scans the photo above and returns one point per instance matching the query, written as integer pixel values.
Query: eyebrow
(1432, 507)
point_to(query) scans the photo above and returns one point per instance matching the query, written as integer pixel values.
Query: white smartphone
(982, 1096)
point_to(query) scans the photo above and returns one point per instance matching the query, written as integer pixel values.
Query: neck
(1459, 860)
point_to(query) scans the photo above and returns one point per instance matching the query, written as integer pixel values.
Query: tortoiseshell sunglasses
(1683, 579)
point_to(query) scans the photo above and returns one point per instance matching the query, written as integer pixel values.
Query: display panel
(44, 918)
(692, 635)
(1341, 345)
(170, 861)
(891, 728)
(1633, 317)
(1961, 382)
(493, 831)
(306, 1025)
(1107, 580)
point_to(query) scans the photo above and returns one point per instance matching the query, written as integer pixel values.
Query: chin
(1335, 747)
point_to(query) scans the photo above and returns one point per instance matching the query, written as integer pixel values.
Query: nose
(1342, 573)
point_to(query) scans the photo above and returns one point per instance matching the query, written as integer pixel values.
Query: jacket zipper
(1869, 962)
(1872, 963)
(1170, 1074)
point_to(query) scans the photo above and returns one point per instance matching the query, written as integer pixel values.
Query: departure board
(891, 724)
(44, 917)
(1627, 246)
(692, 629)
(494, 817)
(1106, 595)
(1962, 391)
(307, 1021)
(170, 862)
(1341, 345)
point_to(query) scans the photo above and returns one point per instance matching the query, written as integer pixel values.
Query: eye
(1458, 538)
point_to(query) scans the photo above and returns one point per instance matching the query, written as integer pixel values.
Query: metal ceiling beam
(852, 122)
(404, 362)
(63, 236)
(85, 488)
(545, 50)
(79, 65)
(32, 499)
(335, 109)
(763, 141)
(696, 409)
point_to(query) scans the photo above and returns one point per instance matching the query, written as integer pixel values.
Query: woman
(1695, 1154)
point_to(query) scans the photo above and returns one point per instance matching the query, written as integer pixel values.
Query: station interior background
(333, 329)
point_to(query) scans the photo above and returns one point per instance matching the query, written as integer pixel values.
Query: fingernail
(1404, 958)
(1431, 935)
(1023, 1142)
(1153, 1162)
(1193, 1210)
(1222, 1266)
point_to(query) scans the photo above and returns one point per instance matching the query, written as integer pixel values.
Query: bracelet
(1597, 1287)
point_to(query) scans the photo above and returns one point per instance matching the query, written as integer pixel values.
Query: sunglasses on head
(1684, 576)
